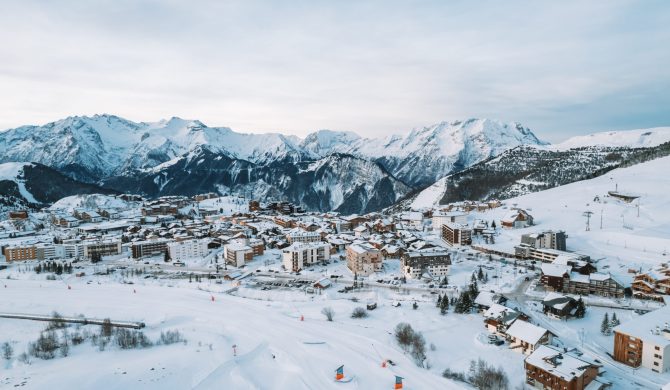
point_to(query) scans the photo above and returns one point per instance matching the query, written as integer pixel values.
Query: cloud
(371, 67)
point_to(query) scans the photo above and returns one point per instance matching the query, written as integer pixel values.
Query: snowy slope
(625, 240)
(90, 201)
(14, 172)
(632, 138)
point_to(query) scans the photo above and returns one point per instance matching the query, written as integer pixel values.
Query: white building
(303, 236)
(299, 255)
(187, 250)
(645, 341)
(442, 218)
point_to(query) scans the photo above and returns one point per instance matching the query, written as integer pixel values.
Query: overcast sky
(373, 67)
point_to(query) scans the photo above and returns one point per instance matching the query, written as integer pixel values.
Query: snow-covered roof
(525, 331)
(555, 270)
(565, 365)
(652, 328)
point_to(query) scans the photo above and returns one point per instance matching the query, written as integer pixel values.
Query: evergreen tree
(444, 306)
(605, 325)
(166, 256)
(439, 301)
(473, 289)
(615, 321)
(493, 224)
(580, 311)
(480, 274)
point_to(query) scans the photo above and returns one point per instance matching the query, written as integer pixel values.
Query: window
(656, 363)
(656, 347)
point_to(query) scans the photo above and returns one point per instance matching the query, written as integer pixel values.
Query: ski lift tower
(588, 214)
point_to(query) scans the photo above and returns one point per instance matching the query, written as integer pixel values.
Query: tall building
(187, 250)
(299, 255)
(415, 264)
(456, 234)
(645, 341)
(363, 259)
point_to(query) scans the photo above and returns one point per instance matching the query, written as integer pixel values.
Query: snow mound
(632, 138)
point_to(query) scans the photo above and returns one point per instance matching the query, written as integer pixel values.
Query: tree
(580, 310)
(605, 326)
(166, 256)
(615, 321)
(418, 348)
(480, 274)
(444, 306)
(328, 312)
(404, 334)
(493, 224)
(415, 305)
(106, 328)
(7, 351)
(359, 312)
(439, 301)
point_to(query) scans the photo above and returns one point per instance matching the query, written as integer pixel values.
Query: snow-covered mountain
(121, 154)
(32, 184)
(630, 138)
(105, 145)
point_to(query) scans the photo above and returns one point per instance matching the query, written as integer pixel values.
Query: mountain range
(326, 170)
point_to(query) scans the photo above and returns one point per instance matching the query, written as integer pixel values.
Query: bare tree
(7, 351)
(328, 312)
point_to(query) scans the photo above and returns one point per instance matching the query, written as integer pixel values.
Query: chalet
(549, 367)
(323, 283)
(498, 318)
(602, 284)
(652, 284)
(516, 219)
(18, 214)
(559, 306)
(392, 251)
(526, 337)
(555, 276)
(90, 216)
(486, 299)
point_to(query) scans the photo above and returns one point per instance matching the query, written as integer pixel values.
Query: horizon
(373, 68)
(358, 133)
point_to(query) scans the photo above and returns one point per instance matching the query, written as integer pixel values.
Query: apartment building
(187, 250)
(238, 254)
(363, 259)
(547, 239)
(415, 264)
(20, 253)
(303, 236)
(300, 255)
(149, 248)
(645, 341)
(456, 234)
(102, 248)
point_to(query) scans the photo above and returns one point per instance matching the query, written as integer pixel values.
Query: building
(653, 284)
(20, 253)
(300, 255)
(486, 300)
(549, 367)
(238, 254)
(555, 276)
(547, 239)
(517, 219)
(303, 236)
(456, 234)
(18, 214)
(596, 283)
(525, 337)
(645, 341)
(498, 318)
(440, 218)
(186, 250)
(416, 264)
(257, 246)
(559, 306)
(101, 248)
(363, 259)
(149, 248)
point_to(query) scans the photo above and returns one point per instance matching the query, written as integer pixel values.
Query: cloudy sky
(373, 67)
